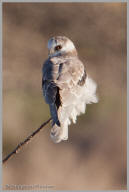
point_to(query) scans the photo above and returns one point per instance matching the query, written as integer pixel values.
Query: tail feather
(59, 133)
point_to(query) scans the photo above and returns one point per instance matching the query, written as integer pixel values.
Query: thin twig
(20, 145)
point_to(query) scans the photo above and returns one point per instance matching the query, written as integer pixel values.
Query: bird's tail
(59, 130)
(59, 133)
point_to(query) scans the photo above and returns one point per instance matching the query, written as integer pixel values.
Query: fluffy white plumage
(66, 86)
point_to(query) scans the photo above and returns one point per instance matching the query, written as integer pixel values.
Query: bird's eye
(58, 47)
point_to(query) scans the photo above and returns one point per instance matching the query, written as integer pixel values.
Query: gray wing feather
(50, 91)
(69, 71)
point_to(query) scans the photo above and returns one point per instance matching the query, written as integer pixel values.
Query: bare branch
(20, 145)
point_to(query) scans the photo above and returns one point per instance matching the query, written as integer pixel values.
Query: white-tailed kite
(66, 87)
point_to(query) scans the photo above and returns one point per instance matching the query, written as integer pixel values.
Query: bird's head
(61, 46)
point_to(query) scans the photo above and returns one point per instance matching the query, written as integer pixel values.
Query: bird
(66, 86)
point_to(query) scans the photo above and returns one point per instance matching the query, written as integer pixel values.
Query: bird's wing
(50, 90)
(70, 75)
(70, 72)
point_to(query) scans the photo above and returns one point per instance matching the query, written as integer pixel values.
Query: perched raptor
(66, 87)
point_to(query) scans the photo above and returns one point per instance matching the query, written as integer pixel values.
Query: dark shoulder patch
(83, 79)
